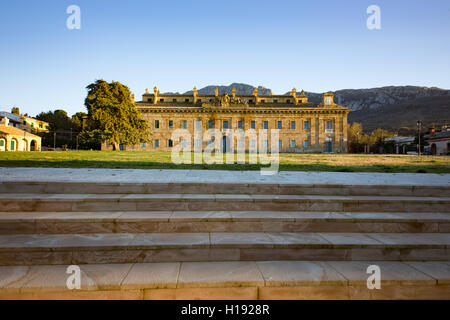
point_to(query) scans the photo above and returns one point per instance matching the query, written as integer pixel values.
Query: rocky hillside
(393, 108)
(403, 117)
(358, 99)
(241, 88)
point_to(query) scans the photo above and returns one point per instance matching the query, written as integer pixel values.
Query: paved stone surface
(391, 272)
(292, 273)
(152, 276)
(138, 175)
(219, 274)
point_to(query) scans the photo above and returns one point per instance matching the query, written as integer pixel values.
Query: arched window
(13, 145)
(2, 144)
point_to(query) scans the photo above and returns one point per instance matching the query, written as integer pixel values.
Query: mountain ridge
(388, 107)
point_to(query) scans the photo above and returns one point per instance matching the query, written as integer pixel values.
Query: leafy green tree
(58, 120)
(15, 110)
(112, 115)
(77, 120)
(61, 124)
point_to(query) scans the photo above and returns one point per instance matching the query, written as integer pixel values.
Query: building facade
(25, 123)
(15, 139)
(303, 126)
(438, 142)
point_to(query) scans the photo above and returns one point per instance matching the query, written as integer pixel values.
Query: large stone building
(25, 123)
(303, 126)
(15, 139)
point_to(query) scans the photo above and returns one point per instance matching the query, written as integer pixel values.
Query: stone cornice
(249, 110)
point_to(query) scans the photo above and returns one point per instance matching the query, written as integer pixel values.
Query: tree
(113, 116)
(77, 120)
(355, 137)
(358, 141)
(377, 137)
(15, 110)
(61, 124)
(58, 120)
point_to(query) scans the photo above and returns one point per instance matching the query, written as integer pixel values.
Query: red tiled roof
(16, 131)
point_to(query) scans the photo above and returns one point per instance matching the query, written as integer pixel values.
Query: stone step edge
(212, 240)
(218, 216)
(37, 197)
(223, 274)
(235, 188)
(221, 184)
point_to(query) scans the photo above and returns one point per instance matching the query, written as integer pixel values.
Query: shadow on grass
(159, 165)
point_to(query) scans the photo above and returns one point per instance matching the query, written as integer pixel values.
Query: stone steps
(218, 202)
(58, 187)
(218, 246)
(220, 221)
(231, 280)
(223, 240)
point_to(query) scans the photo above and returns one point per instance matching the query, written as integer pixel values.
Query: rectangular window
(240, 144)
(225, 124)
(186, 100)
(240, 124)
(250, 101)
(280, 124)
(211, 124)
(156, 143)
(183, 144)
(40, 125)
(306, 144)
(292, 143)
(252, 124)
(266, 144)
(2, 143)
(275, 100)
(174, 100)
(288, 101)
(156, 124)
(198, 144)
(280, 144)
(253, 144)
(198, 124)
(266, 124)
(170, 143)
(329, 125)
(199, 100)
(184, 124)
(161, 100)
(143, 145)
(306, 125)
(292, 125)
(170, 124)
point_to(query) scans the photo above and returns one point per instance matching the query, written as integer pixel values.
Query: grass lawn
(288, 161)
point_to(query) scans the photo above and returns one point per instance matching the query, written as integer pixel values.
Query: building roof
(401, 139)
(16, 131)
(17, 118)
(10, 116)
(443, 135)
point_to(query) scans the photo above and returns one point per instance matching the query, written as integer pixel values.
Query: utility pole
(419, 125)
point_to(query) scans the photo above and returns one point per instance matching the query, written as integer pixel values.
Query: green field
(288, 161)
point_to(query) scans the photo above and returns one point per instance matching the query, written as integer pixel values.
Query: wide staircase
(223, 240)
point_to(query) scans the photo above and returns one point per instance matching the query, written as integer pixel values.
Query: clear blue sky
(315, 45)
